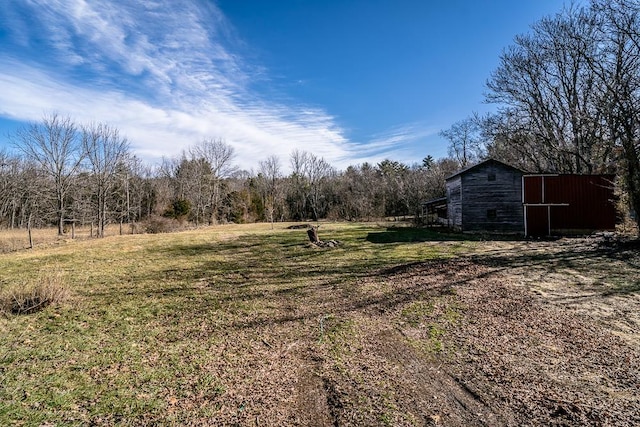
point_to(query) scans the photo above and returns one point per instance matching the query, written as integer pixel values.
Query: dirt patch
(595, 277)
(317, 402)
(388, 382)
(548, 365)
(517, 334)
(530, 359)
(468, 343)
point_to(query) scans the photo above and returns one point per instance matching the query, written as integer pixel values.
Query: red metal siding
(576, 202)
(533, 189)
(537, 221)
(590, 199)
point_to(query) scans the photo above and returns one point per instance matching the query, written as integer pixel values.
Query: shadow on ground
(410, 234)
(617, 265)
(415, 234)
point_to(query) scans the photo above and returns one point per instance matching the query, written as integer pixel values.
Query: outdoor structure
(492, 196)
(434, 212)
(568, 204)
(486, 197)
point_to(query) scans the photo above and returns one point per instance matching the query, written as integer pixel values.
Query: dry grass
(12, 240)
(26, 298)
(15, 240)
(249, 325)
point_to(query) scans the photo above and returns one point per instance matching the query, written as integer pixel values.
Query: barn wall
(574, 203)
(492, 199)
(454, 202)
(533, 189)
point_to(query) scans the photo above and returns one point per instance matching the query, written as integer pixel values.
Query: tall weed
(29, 298)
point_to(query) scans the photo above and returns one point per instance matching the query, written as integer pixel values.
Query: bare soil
(517, 334)
(252, 331)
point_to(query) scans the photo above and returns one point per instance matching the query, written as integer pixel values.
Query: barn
(492, 196)
(568, 204)
(486, 197)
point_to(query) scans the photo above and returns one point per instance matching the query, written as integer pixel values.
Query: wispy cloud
(168, 75)
(399, 143)
(164, 72)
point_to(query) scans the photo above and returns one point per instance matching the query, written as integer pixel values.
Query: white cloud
(393, 144)
(255, 133)
(161, 72)
(166, 75)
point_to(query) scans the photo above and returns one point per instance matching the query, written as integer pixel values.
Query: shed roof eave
(477, 165)
(434, 201)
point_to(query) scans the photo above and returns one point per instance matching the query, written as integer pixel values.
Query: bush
(31, 298)
(179, 209)
(160, 224)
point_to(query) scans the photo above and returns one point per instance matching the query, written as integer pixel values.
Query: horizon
(350, 82)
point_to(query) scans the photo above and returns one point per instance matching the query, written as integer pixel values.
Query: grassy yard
(251, 325)
(156, 324)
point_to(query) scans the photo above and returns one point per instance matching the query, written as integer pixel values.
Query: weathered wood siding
(454, 202)
(492, 199)
(486, 197)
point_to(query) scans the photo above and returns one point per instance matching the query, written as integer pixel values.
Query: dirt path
(547, 335)
(517, 334)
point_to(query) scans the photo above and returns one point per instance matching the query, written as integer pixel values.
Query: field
(251, 325)
(18, 239)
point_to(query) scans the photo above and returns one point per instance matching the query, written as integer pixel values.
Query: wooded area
(568, 96)
(62, 173)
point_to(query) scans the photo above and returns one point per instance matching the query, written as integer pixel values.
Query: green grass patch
(415, 312)
(433, 317)
(155, 327)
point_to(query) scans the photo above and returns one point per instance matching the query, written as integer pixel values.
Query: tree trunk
(29, 231)
(313, 234)
(60, 218)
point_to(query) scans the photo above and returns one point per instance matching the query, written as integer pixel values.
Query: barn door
(537, 218)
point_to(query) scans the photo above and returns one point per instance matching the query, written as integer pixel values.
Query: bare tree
(10, 171)
(549, 98)
(220, 156)
(511, 143)
(133, 188)
(270, 178)
(32, 206)
(617, 69)
(311, 172)
(464, 141)
(54, 145)
(21, 193)
(195, 182)
(105, 151)
(297, 197)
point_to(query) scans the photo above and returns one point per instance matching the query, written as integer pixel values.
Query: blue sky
(348, 80)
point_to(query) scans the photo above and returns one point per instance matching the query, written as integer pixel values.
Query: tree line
(63, 174)
(568, 101)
